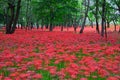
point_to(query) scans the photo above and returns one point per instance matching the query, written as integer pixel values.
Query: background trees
(63, 13)
(11, 12)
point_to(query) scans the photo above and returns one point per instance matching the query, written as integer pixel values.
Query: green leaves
(62, 10)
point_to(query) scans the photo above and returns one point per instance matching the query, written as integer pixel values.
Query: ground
(43, 55)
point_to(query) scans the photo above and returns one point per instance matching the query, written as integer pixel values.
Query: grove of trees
(62, 13)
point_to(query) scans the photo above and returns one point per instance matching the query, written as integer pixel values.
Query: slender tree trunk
(75, 28)
(37, 25)
(62, 28)
(105, 30)
(27, 14)
(51, 27)
(86, 12)
(96, 16)
(114, 26)
(46, 26)
(31, 25)
(103, 18)
(51, 20)
(75, 25)
(108, 24)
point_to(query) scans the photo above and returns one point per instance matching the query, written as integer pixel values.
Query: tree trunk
(86, 12)
(62, 28)
(16, 16)
(46, 26)
(108, 24)
(96, 16)
(75, 28)
(103, 18)
(114, 26)
(51, 27)
(105, 30)
(9, 25)
(37, 25)
(31, 25)
(75, 25)
(51, 20)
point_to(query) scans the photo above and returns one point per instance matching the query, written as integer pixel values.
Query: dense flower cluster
(59, 55)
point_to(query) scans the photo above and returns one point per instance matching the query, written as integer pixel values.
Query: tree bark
(86, 12)
(105, 30)
(11, 25)
(16, 16)
(103, 18)
(61, 27)
(51, 27)
(108, 24)
(114, 26)
(37, 25)
(46, 26)
(96, 16)
(51, 20)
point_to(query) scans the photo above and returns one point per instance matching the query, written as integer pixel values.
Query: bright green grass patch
(5, 72)
(97, 76)
(59, 66)
(46, 75)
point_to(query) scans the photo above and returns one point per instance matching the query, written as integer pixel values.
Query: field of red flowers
(40, 55)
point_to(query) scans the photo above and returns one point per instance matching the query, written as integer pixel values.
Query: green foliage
(46, 75)
(5, 72)
(56, 11)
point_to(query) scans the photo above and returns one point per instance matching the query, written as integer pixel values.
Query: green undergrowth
(4, 72)
(59, 66)
(46, 75)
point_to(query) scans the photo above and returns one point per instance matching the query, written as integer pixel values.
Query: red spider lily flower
(37, 63)
(83, 79)
(7, 78)
(112, 78)
(37, 76)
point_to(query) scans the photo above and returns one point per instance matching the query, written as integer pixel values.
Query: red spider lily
(113, 78)
(75, 54)
(37, 76)
(83, 79)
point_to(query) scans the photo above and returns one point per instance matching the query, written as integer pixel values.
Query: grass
(36, 50)
(59, 66)
(46, 75)
(4, 72)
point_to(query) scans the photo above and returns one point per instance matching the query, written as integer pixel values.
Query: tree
(87, 2)
(103, 17)
(14, 14)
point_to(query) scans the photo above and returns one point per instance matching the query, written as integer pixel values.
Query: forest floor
(42, 55)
